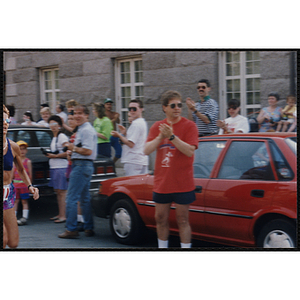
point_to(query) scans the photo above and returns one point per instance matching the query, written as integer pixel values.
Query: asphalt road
(41, 234)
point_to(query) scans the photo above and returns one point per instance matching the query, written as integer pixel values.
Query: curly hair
(100, 109)
(5, 110)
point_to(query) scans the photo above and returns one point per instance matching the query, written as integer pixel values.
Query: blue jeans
(115, 143)
(104, 149)
(78, 191)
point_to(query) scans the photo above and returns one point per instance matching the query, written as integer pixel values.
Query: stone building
(55, 76)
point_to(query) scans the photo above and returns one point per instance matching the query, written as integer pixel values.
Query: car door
(205, 159)
(243, 186)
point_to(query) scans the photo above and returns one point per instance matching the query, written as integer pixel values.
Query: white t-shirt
(136, 133)
(238, 123)
(63, 115)
(27, 123)
(57, 163)
(43, 123)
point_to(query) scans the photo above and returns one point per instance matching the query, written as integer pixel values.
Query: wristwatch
(74, 149)
(195, 111)
(172, 137)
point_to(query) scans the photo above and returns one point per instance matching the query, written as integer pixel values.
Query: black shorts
(179, 198)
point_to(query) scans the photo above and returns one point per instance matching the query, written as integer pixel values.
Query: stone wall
(89, 76)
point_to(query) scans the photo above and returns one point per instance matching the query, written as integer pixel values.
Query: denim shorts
(179, 198)
(58, 179)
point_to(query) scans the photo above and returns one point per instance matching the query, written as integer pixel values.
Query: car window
(10, 135)
(292, 143)
(283, 169)
(44, 138)
(206, 156)
(246, 160)
(25, 136)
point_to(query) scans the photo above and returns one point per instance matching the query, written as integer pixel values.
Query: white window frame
(243, 88)
(43, 91)
(119, 85)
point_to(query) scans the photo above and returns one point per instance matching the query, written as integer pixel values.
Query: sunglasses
(201, 87)
(132, 109)
(233, 107)
(173, 105)
(53, 124)
(8, 121)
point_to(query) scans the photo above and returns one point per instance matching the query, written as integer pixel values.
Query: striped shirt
(209, 108)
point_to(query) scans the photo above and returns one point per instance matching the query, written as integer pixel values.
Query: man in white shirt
(235, 123)
(133, 157)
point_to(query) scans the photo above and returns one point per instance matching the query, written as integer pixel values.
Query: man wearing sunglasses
(236, 122)
(133, 157)
(205, 112)
(175, 139)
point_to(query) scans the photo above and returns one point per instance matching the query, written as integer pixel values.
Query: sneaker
(22, 221)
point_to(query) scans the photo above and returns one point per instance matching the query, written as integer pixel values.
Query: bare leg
(285, 126)
(182, 216)
(61, 200)
(162, 220)
(10, 228)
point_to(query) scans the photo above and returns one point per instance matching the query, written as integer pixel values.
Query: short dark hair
(274, 94)
(55, 118)
(28, 114)
(234, 102)
(61, 107)
(11, 109)
(140, 102)
(169, 95)
(204, 81)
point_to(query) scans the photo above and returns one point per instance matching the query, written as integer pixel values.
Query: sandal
(22, 221)
(60, 220)
(54, 218)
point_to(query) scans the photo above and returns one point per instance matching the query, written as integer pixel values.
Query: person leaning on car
(84, 152)
(175, 140)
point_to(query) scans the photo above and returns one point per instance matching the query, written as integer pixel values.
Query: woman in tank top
(12, 154)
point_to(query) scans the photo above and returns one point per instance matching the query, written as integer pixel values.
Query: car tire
(277, 234)
(125, 222)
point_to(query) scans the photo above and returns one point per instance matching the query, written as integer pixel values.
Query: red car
(246, 194)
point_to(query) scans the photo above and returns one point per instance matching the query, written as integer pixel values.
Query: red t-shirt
(174, 170)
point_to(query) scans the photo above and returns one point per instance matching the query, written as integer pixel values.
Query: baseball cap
(108, 100)
(22, 143)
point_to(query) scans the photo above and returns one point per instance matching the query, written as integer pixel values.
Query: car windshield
(292, 143)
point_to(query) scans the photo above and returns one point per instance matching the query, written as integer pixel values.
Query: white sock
(25, 213)
(163, 244)
(186, 245)
(80, 218)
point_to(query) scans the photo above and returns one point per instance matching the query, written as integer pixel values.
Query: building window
(240, 79)
(50, 87)
(129, 85)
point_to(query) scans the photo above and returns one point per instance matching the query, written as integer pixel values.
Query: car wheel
(277, 234)
(125, 222)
